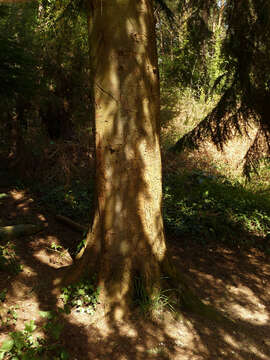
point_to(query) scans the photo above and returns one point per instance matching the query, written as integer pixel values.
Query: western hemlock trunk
(126, 238)
(127, 233)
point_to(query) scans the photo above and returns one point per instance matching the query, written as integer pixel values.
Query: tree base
(149, 288)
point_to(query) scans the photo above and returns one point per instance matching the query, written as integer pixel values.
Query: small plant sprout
(155, 304)
(82, 296)
(56, 247)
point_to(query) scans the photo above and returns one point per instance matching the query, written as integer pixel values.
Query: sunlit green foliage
(189, 48)
(239, 68)
(206, 208)
(8, 259)
(44, 72)
(26, 345)
(154, 305)
(83, 296)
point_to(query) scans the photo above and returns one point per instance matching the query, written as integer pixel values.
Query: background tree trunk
(126, 238)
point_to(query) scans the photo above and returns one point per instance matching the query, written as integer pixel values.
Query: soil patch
(236, 282)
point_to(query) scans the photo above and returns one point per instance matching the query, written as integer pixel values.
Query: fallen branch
(13, 231)
(74, 225)
(3, 196)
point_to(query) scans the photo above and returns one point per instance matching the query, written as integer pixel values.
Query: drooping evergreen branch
(161, 4)
(246, 49)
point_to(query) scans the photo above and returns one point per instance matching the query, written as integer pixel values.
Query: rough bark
(126, 238)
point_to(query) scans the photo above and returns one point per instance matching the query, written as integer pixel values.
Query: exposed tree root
(113, 304)
(72, 224)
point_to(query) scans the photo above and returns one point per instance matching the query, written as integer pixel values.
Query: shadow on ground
(236, 282)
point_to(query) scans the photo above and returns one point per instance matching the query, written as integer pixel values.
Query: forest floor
(237, 282)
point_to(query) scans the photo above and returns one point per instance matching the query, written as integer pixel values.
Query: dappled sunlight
(19, 195)
(41, 217)
(124, 256)
(250, 309)
(127, 237)
(235, 283)
(219, 275)
(56, 260)
(23, 201)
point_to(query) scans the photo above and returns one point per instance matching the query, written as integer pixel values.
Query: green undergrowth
(27, 345)
(181, 110)
(73, 200)
(82, 296)
(9, 262)
(209, 207)
(197, 204)
(163, 300)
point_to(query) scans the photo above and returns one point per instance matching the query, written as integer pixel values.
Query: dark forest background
(215, 87)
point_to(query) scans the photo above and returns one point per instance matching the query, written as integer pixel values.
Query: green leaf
(46, 314)
(67, 309)
(19, 341)
(30, 326)
(64, 355)
(6, 346)
(29, 355)
(3, 295)
(56, 331)
(78, 302)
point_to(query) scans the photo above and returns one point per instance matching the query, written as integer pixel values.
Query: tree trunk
(126, 238)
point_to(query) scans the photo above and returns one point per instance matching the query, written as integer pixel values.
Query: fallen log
(3, 196)
(73, 224)
(13, 231)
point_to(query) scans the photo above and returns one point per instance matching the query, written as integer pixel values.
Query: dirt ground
(236, 282)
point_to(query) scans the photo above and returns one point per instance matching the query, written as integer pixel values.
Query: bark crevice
(127, 236)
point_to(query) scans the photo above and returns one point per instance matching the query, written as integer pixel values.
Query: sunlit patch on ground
(238, 285)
